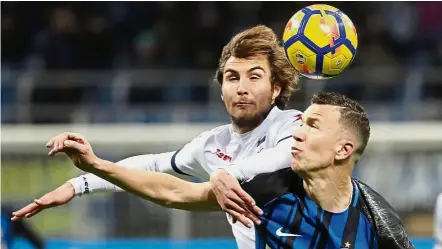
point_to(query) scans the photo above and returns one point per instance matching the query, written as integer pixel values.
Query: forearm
(90, 183)
(161, 188)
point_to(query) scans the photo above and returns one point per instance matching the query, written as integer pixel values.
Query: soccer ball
(320, 41)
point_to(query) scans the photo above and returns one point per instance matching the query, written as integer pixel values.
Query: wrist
(77, 185)
(98, 164)
(236, 172)
(68, 185)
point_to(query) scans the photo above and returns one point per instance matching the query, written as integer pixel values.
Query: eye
(255, 77)
(232, 78)
(314, 125)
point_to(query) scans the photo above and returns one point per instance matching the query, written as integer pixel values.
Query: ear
(344, 150)
(276, 92)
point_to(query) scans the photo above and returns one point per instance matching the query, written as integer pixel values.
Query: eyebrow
(248, 71)
(311, 119)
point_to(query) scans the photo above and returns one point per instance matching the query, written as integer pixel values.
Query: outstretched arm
(90, 183)
(166, 190)
(161, 188)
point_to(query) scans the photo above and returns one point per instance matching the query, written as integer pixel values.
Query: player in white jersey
(256, 83)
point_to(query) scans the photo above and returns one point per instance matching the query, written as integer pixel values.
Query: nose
(242, 90)
(299, 134)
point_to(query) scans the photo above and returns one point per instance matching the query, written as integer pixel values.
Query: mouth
(243, 103)
(295, 151)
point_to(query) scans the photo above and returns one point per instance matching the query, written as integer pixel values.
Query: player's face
(247, 89)
(315, 142)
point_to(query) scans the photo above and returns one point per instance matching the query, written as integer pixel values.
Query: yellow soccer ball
(320, 41)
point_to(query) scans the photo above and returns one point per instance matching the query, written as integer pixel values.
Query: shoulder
(286, 119)
(384, 218)
(266, 187)
(287, 116)
(282, 124)
(217, 131)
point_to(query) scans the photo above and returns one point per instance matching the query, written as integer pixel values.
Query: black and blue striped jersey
(292, 220)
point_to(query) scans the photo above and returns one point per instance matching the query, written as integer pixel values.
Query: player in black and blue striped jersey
(292, 219)
(316, 203)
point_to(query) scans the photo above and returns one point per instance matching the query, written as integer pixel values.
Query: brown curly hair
(261, 40)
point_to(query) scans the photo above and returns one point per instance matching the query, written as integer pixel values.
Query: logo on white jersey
(261, 140)
(260, 144)
(281, 234)
(223, 155)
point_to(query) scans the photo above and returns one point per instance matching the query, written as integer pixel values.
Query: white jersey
(263, 150)
(438, 223)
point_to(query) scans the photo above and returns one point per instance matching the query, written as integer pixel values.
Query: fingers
(74, 145)
(58, 142)
(239, 207)
(233, 196)
(31, 214)
(77, 137)
(247, 209)
(22, 212)
(244, 196)
(28, 211)
(239, 217)
(230, 205)
(253, 217)
(248, 200)
(50, 143)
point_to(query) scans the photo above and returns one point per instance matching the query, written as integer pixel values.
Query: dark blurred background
(42, 39)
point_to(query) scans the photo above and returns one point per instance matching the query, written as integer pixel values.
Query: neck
(330, 187)
(243, 127)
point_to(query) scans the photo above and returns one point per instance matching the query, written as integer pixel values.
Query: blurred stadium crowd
(109, 37)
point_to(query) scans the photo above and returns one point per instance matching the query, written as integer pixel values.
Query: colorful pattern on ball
(320, 41)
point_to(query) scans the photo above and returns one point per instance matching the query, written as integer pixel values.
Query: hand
(233, 199)
(57, 197)
(76, 147)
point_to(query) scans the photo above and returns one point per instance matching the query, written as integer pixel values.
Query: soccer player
(315, 203)
(256, 83)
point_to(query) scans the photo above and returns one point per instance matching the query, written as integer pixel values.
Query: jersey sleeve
(390, 231)
(90, 183)
(189, 160)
